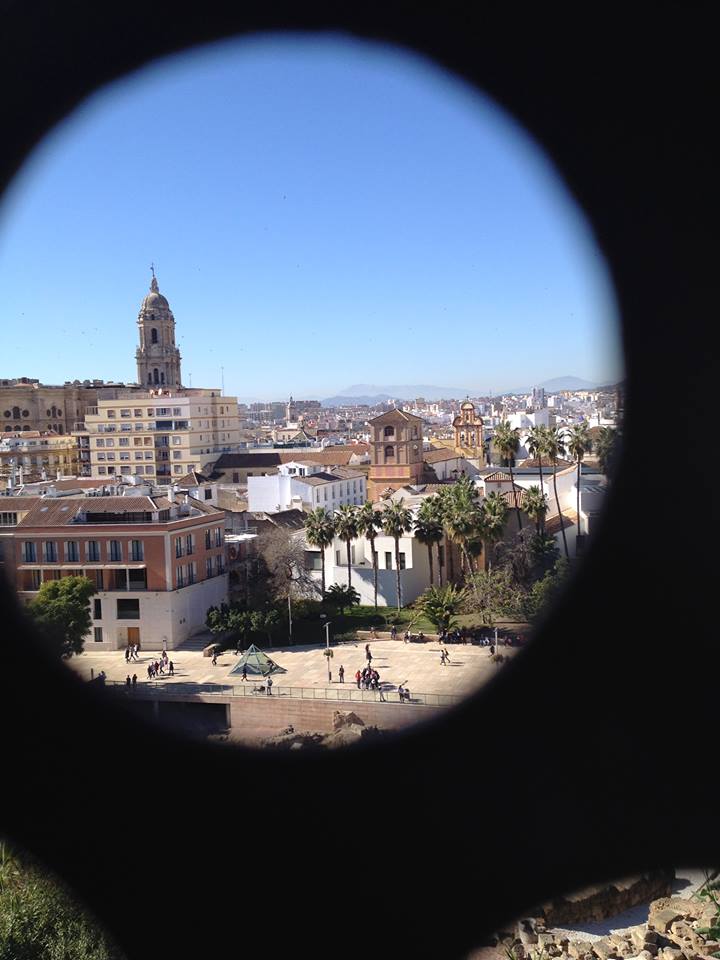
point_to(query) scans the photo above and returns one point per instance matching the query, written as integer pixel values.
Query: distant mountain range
(371, 395)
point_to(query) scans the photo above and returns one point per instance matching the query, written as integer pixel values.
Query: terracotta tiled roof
(498, 477)
(17, 504)
(553, 524)
(438, 456)
(547, 464)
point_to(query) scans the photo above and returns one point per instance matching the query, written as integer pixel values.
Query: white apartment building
(160, 434)
(304, 485)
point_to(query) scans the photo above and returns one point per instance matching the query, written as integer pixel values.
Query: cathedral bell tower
(158, 359)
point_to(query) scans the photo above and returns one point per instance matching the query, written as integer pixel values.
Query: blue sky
(321, 212)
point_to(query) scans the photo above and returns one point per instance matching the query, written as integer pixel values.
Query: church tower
(158, 359)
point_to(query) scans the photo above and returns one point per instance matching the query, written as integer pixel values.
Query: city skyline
(351, 194)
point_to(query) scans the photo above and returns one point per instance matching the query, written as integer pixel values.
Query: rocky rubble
(347, 728)
(672, 932)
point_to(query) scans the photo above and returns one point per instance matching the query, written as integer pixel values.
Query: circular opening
(386, 275)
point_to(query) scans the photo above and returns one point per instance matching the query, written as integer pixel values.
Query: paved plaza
(415, 665)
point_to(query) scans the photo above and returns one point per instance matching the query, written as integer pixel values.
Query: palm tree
(607, 448)
(319, 532)
(495, 511)
(507, 441)
(368, 522)
(429, 529)
(396, 520)
(535, 506)
(554, 447)
(346, 529)
(440, 604)
(536, 448)
(578, 443)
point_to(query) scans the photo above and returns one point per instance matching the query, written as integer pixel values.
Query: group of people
(159, 667)
(131, 683)
(367, 679)
(444, 657)
(132, 652)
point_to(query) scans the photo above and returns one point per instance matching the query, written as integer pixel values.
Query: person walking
(442, 658)
(127, 654)
(128, 681)
(171, 668)
(393, 632)
(407, 636)
(341, 673)
(269, 685)
(244, 673)
(492, 649)
(358, 678)
(134, 682)
(214, 658)
(368, 654)
(150, 671)
(447, 655)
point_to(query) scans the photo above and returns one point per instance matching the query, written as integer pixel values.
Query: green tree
(233, 619)
(265, 621)
(61, 611)
(319, 532)
(369, 523)
(396, 521)
(462, 518)
(536, 448)
(342, 597)
(546, 591)
(578, 442)
(495, 594)
(346, 529)
(507, 441)
(440, 605)
(554, 447)
(429, 530)
(535, 506)
(608, 449)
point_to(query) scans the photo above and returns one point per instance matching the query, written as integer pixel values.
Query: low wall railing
(343, 693)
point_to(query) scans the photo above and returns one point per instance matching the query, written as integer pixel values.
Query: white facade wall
(170, 616)
(273, 493)
(415, 578)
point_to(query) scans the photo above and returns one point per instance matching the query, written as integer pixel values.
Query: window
(180, 577)
(153, 335)
(388, 560)
(8, 519)
(50, 552)
(72, 551)
(35, 579)
(389, 453)
(110, 443)
(149, 455)
(93, 551)
(128, 609)
(115, 550)
(97, 633)
(125, 413)
(209, 567)
(177, 469)
(125, 456)
(218, 536)
(97, 609)
(176, 411)
(192, 572)
(190, 544)
(236, 477)
(402, 561)
(100, 443)
(177, 454)
(137, 441)
(389, 432)
(124, 441)
(208, 539)
(208, 494)
(179, 552)
(111, 456)
(137, 551)
(177, 440)
(102, 471)
(137, 413)
(101, 456)
(111, 414)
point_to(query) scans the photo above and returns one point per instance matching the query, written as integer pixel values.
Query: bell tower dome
(158, 358)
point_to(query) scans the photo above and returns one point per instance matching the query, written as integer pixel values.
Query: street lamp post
(328, 652)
